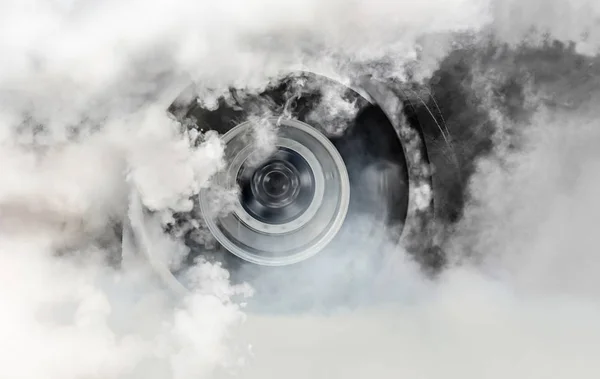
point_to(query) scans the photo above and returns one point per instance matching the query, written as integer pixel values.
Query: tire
(375, 157)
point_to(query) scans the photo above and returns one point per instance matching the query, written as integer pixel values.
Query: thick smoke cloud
(83, 89)
(520, 298)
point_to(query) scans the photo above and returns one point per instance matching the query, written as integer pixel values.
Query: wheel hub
(279, 190)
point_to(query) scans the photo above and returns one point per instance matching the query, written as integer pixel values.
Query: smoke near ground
(521, 300)
(83, 89)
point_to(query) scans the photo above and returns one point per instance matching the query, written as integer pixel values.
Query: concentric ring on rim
(277, 245)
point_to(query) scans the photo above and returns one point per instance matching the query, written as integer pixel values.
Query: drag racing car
(360, 170)
(352, 167)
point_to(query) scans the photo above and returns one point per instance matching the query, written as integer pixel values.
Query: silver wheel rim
(272, 244)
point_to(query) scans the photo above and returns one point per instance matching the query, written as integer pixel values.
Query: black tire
(386, 160)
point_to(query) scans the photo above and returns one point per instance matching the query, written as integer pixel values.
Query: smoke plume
(84, 88)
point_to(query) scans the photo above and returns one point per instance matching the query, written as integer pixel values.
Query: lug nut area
(276, 184)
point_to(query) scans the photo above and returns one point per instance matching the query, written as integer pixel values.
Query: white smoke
(521, 300)
(83, 89)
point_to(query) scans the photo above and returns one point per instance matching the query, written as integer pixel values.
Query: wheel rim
(291, 204)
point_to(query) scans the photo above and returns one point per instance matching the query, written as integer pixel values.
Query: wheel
(326, 178)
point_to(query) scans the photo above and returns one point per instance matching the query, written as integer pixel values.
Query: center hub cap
(280, 190)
